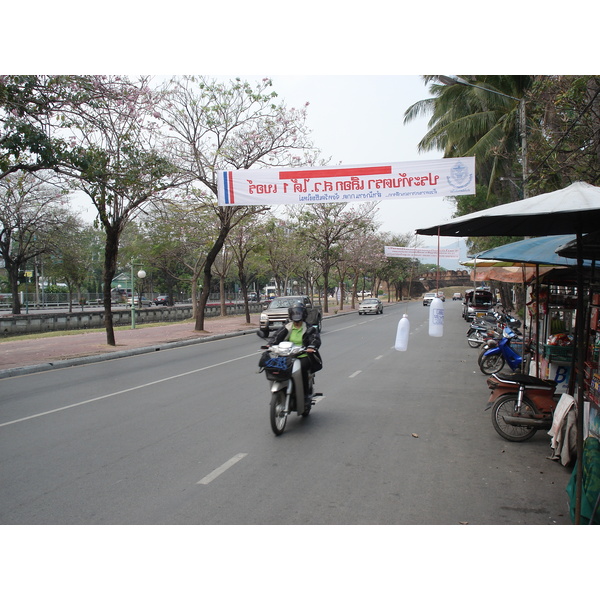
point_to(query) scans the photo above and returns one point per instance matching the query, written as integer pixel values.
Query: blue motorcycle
(493, 359)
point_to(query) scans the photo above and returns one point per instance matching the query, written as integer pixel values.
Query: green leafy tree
(119, 165)
(479, 119)
(73, 257)
(33, 217)
(564, 146)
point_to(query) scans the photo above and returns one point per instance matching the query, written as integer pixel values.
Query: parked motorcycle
(482, 329)
(283, 369)
(521, 405)
(493, 360)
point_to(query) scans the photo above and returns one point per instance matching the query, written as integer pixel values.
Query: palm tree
(478, 117)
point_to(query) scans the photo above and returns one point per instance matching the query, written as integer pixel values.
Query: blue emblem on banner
(460, 178)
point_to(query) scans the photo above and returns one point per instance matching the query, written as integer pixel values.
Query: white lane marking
(342, 328)
(211, 476)
(354, 374)
(132, 389)
(378, 357)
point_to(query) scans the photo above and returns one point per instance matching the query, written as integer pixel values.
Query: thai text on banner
(358, 183)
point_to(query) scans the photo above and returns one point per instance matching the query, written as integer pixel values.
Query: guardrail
(94, 319)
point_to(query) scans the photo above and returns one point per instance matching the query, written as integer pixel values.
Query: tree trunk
(210, 261)
(244, 288)
(13, 278)
(222, 295)
(111, 252)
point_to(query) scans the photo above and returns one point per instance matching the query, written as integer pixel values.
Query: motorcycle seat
(526, 380)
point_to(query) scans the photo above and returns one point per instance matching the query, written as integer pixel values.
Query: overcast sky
(357, 65)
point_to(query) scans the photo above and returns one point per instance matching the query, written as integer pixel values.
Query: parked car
(275, 314)
(456, 296)
(371, 305)
(428, 298)
(163, 300)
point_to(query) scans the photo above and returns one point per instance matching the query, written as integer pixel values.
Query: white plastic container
(436, 318)
(402, 334)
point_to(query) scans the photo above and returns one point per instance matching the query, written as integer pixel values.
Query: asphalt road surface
(182, 436)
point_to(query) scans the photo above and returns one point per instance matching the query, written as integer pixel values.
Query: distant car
(372, 305)
(428, 298)
(163, 300)
(137, 301)
(456, 296)
(441, 296)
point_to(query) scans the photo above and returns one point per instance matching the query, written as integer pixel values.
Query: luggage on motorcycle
(316, 362)
(312, 316)
(277, 368)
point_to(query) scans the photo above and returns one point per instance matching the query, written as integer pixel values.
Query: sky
(359, 119)
(358, 66)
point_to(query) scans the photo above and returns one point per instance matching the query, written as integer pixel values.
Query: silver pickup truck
(275, 314)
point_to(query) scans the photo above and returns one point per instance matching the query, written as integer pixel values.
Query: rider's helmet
(297, 312)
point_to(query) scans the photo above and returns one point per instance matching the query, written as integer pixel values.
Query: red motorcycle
(521, 404)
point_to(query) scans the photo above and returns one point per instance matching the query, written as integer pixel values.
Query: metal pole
(523, 127)
(132, 303)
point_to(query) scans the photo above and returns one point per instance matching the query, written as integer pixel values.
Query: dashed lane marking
(212, 476)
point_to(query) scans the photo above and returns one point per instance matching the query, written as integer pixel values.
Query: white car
(371, 305)
(428, 298)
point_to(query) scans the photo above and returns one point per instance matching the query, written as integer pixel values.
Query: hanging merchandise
(436, 318)
(402, 334)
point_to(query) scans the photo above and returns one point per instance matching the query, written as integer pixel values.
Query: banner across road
(358, 183)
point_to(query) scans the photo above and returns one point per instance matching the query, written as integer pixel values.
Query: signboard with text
(359, 183)
(418, 253)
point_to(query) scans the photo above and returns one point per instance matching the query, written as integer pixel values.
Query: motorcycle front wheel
(506, 406)
(492, 364)
(277, 412)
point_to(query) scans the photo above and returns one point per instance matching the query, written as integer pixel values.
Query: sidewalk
(19, 357)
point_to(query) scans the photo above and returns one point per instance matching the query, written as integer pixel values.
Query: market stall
(572, 210)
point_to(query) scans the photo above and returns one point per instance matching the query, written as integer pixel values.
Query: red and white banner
(360, 183)
(402, 252)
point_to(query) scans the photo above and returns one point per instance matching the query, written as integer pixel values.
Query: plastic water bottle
(436, 318)
(402, 334)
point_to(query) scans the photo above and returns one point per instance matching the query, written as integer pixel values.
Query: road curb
(94, 358)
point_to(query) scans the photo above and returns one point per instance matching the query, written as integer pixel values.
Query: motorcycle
(283, 369)
(497, 355)
(482, 329)
(521, 405)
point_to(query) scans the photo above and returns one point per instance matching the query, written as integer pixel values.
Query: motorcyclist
(301, 333)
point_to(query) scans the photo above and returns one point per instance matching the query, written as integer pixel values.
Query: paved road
(182, 436)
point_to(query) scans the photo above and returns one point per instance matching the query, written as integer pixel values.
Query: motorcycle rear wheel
(506, 406)
(277, 408)
(492, 364)
(475, 339)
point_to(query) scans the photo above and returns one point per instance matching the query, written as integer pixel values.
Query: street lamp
(141, 274)
(445, 80)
